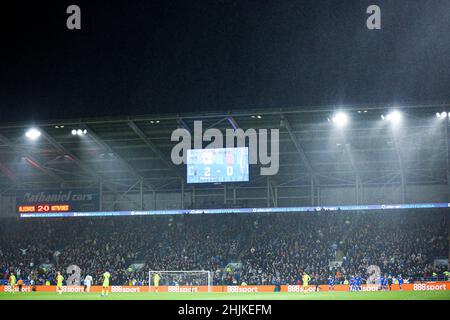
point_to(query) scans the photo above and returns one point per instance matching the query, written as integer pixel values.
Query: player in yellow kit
(12, 282)
(105, 286)
(156, 282)
(305, 278)
(59, 283)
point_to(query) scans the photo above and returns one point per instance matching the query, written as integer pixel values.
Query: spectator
(267, 248)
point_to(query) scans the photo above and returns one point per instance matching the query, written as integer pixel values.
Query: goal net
(185, 279)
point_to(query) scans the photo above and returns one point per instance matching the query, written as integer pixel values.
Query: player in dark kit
(317, 283)
(390, 283)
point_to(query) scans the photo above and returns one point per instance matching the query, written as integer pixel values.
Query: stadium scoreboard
(44, 208)
(217, 165)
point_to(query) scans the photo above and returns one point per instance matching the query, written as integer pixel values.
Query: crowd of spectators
(252, 248)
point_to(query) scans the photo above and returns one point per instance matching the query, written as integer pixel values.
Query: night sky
(145, 57)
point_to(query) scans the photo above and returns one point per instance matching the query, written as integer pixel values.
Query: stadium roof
(124, 151)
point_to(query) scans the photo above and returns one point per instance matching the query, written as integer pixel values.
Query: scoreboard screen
(217, 165)
(42, 208)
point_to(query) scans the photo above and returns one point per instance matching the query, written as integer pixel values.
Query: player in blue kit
(359, 282)
(330, 283)
(381, 282)
(352, 283)
(385, 282)
(400, 282)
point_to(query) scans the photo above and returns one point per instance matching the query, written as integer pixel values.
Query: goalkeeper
(156, 282)
(59, 283)
(12, 282)
(105, 285)
(305, 278)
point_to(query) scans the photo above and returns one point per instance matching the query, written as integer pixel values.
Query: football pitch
(394, 295)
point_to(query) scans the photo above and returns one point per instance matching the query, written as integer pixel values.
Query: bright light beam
(33, 134)
(340, 119)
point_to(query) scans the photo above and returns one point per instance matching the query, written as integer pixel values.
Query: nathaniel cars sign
(54, 201)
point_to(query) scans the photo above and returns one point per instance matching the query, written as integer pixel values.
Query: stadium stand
(261, 248)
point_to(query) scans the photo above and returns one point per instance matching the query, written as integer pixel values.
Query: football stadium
(187, 154)
(358, 207)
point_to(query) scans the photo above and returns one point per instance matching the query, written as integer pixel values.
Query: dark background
(142, 57)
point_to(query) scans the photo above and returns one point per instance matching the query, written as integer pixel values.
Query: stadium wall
(384, 194)
(428, 286)
(7, 206)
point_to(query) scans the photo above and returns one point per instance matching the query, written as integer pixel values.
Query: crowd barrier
(425, 286)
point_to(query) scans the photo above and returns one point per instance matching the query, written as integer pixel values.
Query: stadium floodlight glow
(33, 134)
(442, 115)
(79, 132)
(393, 117)
(340, 119)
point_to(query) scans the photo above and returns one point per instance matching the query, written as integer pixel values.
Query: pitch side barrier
(425, 286)
(240, 210)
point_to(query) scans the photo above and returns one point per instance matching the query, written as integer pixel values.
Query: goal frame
(161, 272)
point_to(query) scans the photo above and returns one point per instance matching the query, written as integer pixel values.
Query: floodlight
(393, 117)
(340, 119)
(33, 134)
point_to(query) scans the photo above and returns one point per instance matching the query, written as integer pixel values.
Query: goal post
(192, 278)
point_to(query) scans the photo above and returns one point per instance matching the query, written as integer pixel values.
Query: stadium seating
(269, 247)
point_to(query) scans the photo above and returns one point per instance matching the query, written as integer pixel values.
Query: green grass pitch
(394, 295)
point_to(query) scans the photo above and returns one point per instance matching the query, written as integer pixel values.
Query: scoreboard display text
(217, 165)
(44, 208)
